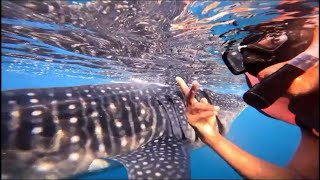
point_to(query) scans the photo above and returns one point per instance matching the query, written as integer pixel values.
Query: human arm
(248, 165)
(306, 159)
(244, 163)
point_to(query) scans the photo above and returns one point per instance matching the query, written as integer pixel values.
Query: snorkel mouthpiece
(267, 91)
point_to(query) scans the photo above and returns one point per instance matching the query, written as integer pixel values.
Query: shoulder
(306, 159)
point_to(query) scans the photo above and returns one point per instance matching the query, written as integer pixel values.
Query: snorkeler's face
(298, 97)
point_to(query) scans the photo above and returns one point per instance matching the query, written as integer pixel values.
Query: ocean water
(92, 42)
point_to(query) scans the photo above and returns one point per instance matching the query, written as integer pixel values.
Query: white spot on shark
(54, 102)
(124, 142)
(73, 120)
(72, 106)
(36, 130)
(143, 111)
(34, 100)
(30, 94)
(75, 139)
(98, 130)
(118, 123)
(36, 113)
(112, 107)
(94, 114)
(143, 126)
(74, 156)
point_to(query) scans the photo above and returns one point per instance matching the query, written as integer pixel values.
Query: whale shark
(58, 132)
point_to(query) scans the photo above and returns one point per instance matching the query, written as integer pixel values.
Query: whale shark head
(58, 132)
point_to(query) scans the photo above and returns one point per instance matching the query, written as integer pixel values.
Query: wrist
(212, 138)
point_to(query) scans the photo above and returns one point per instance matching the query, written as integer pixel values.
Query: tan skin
(305, 162)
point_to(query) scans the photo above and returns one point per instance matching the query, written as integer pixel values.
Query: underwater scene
(89, 91)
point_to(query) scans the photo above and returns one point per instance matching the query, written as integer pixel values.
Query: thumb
(204, 100)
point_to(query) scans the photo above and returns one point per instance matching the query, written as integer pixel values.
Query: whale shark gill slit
(176, 112)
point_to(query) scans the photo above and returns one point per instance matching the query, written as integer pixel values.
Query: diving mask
(259, 51)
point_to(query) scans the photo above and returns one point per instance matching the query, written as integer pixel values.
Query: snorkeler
(296, 102)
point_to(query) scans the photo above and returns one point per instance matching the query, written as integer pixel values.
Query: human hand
(201, 115)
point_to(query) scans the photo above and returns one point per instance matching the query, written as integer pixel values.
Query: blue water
(264, 137)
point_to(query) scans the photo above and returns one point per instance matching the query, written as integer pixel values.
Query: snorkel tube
(268, 90)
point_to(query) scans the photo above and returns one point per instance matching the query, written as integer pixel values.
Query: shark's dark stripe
(108, 143)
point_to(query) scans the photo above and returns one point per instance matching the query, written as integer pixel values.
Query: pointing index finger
(184, 87)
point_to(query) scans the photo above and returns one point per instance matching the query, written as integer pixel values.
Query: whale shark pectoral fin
(162, 158)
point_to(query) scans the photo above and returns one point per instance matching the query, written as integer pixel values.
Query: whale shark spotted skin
(57, 132)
